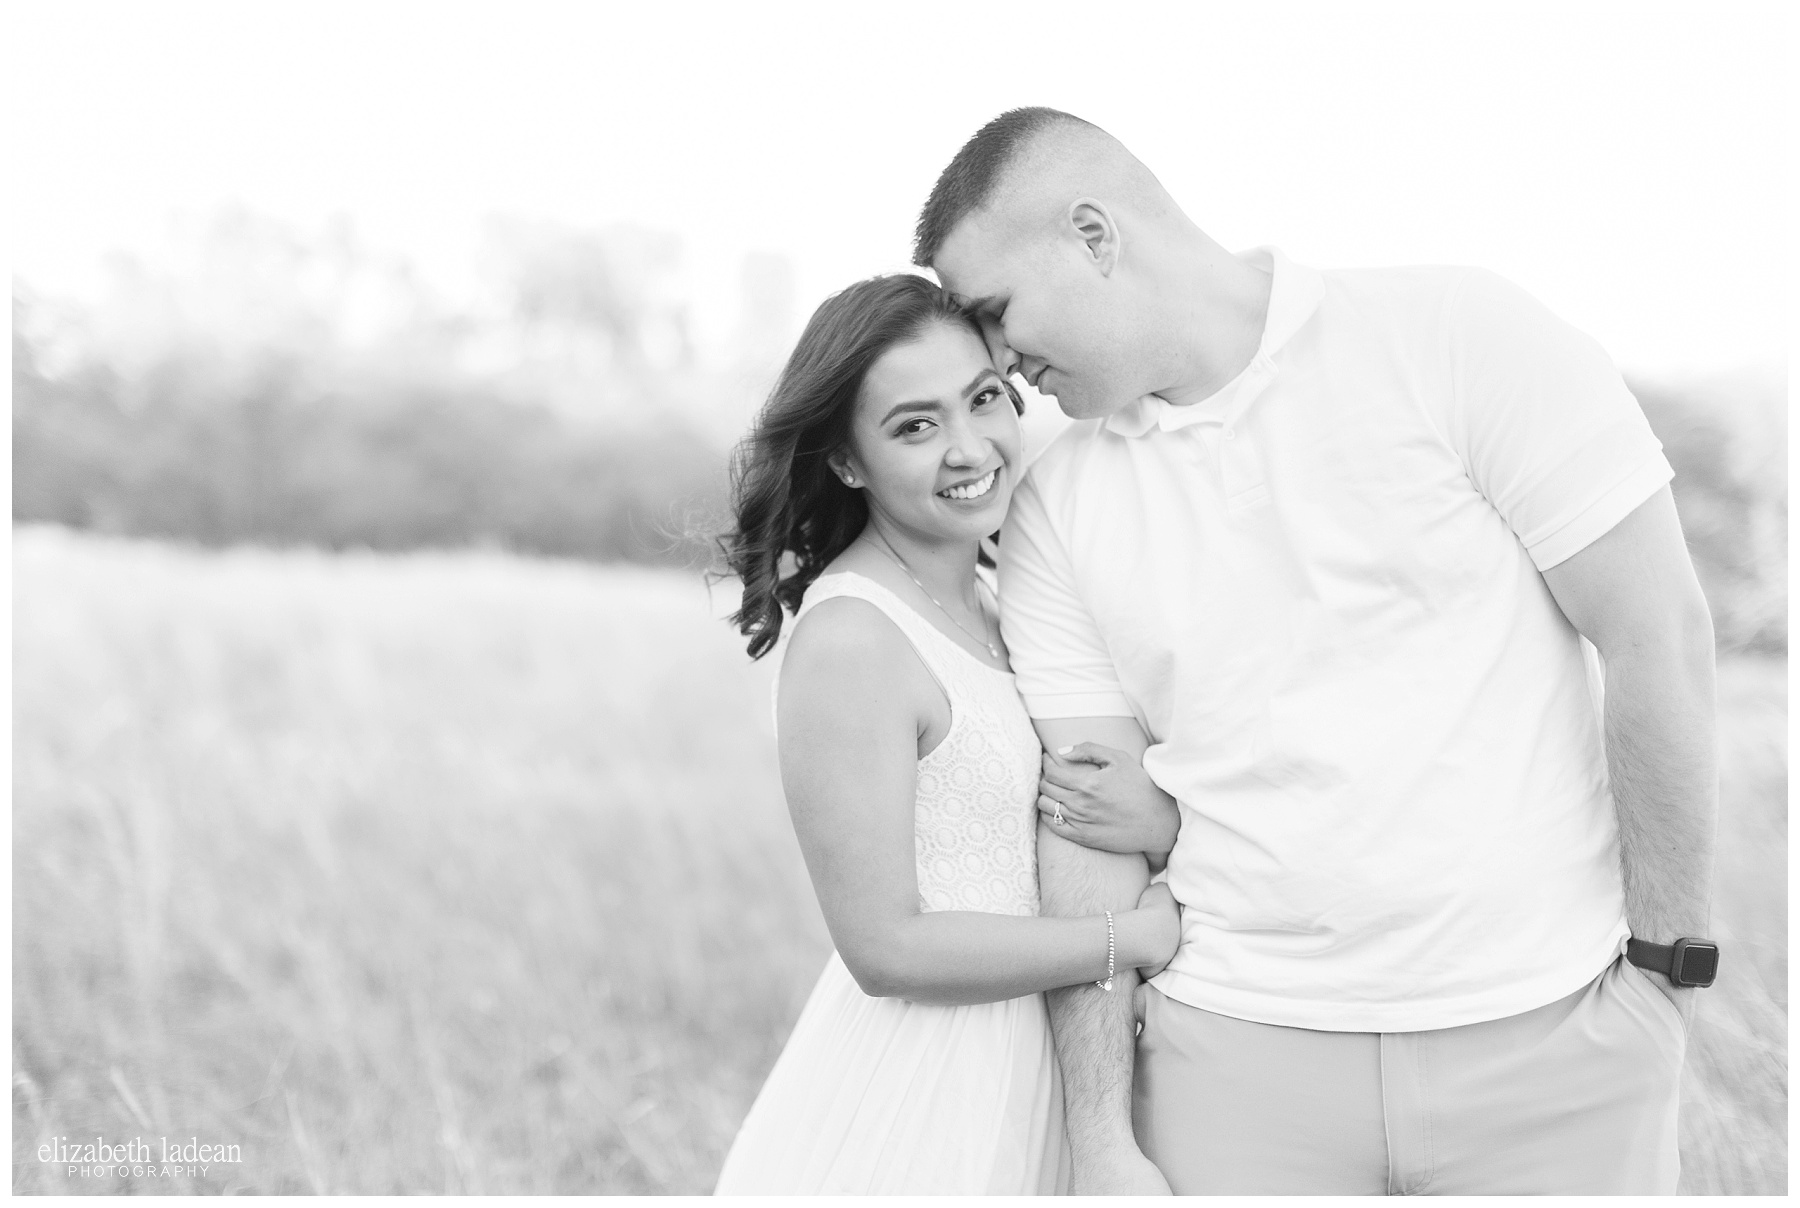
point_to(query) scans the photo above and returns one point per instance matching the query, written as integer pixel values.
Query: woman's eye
(987, 396)
(912, 427)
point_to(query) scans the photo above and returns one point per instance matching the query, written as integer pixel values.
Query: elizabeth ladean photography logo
(100, 1158)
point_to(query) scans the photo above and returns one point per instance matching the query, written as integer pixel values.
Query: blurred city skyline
(1624, 163)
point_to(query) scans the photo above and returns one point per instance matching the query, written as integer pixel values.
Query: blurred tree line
(280, 389)
(1726, 436)
(288, 390)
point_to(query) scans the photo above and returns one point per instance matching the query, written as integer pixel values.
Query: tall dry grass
(1734, 1100)
(470, 873)
(447, 873)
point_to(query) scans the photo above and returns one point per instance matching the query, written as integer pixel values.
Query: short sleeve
(1061, 662)
(1546, 426)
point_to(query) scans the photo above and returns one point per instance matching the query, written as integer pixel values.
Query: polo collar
(1294, 296)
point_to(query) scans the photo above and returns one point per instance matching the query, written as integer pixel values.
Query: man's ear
(1093, 224)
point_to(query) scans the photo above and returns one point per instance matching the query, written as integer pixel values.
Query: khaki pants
(1577, 1097)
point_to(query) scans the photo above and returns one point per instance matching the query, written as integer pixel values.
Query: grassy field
(464, 873)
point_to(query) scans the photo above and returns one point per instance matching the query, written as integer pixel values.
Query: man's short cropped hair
(969, 182)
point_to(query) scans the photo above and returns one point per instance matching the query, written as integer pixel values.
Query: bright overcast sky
(1627, 163)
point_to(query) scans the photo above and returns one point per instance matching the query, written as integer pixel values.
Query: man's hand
(1107, 801)
(1123, 1170)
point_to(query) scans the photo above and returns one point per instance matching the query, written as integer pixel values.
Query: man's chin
(1078, 406)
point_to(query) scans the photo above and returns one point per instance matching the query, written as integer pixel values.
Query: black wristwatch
(1684, 963)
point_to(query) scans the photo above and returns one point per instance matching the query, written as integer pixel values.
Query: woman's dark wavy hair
(784, 496)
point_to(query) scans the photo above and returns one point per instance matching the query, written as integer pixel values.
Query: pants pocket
(1646, 984)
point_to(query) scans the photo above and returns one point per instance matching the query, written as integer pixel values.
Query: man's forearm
(1094, 1028)
(1632, 592)
(1661, 750)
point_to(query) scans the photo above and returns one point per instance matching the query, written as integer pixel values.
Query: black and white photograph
(987, 598)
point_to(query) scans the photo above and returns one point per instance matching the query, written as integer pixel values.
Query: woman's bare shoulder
(845, 636)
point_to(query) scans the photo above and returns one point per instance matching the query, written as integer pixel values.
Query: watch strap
(1670, 959)
(1658, 958)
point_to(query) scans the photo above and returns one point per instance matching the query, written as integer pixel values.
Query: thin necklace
(901, 563)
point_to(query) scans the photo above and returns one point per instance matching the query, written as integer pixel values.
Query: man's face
(1046, 311)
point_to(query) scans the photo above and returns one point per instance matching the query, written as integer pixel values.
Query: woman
(923, 1061)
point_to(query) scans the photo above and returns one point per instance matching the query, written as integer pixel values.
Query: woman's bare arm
(853, 703)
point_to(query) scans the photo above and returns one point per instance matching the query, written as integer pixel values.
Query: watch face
(1697, 965)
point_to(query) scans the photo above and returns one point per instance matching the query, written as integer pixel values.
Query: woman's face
(935, 442)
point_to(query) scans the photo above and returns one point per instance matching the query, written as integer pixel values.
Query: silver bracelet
(1111, 952)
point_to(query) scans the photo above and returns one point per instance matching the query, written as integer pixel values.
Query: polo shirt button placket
(1193, 447)
(1240, 469)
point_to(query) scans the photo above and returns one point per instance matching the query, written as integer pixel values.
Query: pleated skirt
(881, 1096)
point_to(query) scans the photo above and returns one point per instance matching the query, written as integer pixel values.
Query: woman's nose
(967, 446)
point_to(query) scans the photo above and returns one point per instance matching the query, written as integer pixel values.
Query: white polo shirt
(1319, 592)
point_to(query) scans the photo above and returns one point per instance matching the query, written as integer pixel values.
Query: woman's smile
(974, 488)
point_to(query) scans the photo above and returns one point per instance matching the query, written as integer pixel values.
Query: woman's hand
(1164, 914)
(1149, 935)
(1102, 798)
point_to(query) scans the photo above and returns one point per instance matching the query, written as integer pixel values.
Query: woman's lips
(973, 490)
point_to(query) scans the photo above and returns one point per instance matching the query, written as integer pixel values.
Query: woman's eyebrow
(920, 405)
(979, 378)
(933, 404)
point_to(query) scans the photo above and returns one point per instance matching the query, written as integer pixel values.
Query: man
(1322, 552)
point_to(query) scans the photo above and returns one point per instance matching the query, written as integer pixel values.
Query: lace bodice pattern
(975, 820)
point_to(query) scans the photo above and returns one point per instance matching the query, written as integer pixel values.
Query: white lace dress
(879, 1096)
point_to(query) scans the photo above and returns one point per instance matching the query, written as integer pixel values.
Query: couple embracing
(1319, 796)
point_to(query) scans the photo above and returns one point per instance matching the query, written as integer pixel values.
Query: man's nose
(1004, 358)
